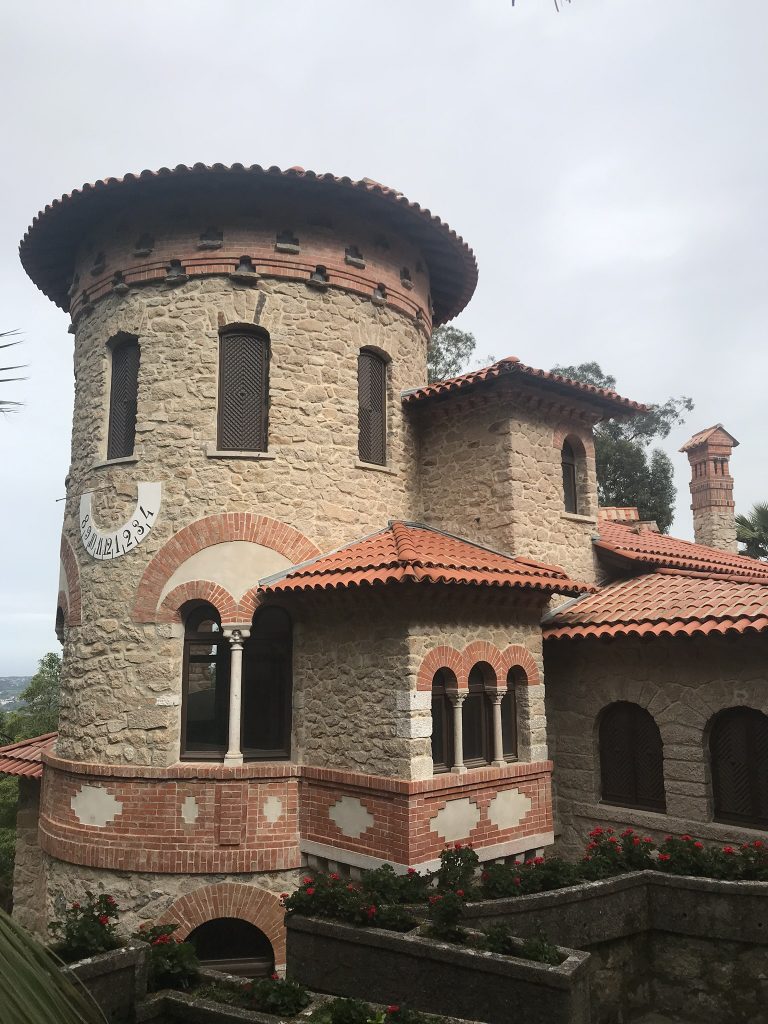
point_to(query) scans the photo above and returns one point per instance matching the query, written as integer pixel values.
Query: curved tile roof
(420, 554)
(511, 366)
(47, 250)
(25, 757)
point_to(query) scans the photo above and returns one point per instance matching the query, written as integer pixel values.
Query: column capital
(236, 634)
(457, 697)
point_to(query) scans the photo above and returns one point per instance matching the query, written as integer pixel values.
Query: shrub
(280, 996)
(607, 854)
(499, 939)
(458, 865)
(445, 913)
(754, 861)
(354, 1011)
(339, 899)
(384, 885)
(684, 856)
(172, 964)
(87, 928)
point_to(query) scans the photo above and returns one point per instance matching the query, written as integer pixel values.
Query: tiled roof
(24, 757)
(616, 513)
(48, 248)
(648, 550)
(511, 366)
(664, 604)
(416, 553)
(705, 435)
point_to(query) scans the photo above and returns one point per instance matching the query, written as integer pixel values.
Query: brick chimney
(709, 453)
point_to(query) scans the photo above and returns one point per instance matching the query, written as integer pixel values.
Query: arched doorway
(234, 946)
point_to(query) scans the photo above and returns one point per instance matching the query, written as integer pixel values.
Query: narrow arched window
(205, 686)
(442, 720)
(267, 678)
(570, 490)
(477, 720)
(243, 390)
(738, 745)
(631, 758)
(509, 716)
(372, 408)
(123, 397)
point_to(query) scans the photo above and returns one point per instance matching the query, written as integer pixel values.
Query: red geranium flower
(628, 832)
(538, 861)
(333, 876)
(457, 846)
(275, 976)
(75, 906)
(758, 844)
(307, 880)
(647, 839)
(665, 856)
(371, 911)
(310, 891)
(636, 841)
(393, 1009)
(411, 871)
(698, 846)
(484, 876)
(459, 892)
(517, 880)
(729, 850)
(103, 919)
(686, 838)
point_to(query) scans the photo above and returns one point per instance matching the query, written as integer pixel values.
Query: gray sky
(609, 166)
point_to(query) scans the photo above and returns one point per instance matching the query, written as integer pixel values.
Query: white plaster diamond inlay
(273, 809)
(507, 809)
(95, 806)
(456, 820)
(190, 810)
(350, 817)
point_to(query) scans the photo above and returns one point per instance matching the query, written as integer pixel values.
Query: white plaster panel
(456, 820)
(190, 810)
(350, 817)
(95, 806)
(273, 809)
(236, 565)
(508, 808)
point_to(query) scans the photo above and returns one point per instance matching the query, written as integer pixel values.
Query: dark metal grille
(243, 392)
(631, 758)
(372, 408)
(739, 749)
(570, 493)
(122, 399)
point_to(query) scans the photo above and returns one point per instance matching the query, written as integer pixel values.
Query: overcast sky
(608, 164)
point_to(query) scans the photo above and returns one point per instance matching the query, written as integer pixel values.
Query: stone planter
(117, 980)
(436, 977)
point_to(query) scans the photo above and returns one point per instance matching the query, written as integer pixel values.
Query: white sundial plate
(103, 545)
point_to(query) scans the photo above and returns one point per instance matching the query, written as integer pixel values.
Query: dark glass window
(509, 719)
(570, 494)
(631, 758)
(266, 697)
(235, 946)
(372, 408)
(123, 396)
(738, 745)
(205, 686)
(442, 720)
(243, 390)
(477, 722)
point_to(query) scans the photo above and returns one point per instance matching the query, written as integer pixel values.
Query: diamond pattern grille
(372, 408)
(243, 392)
(631, 758)
(122, 399)
(739, 750)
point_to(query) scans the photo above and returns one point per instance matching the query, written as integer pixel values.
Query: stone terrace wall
(29, 873)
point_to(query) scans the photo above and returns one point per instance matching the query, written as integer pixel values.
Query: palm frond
(6, 405)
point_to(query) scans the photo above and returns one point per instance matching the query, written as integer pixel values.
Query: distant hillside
(10, 689)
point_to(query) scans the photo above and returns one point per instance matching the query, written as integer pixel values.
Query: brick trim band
(461, 662)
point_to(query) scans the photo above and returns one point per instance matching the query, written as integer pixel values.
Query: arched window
(243, 390)
(442, 720)
(372, 408)
(235, 946)
(123, 397)
(205, 686)
(570, 483)
(631, 758)
(738, 745)
(477, 719)
(509, 716)
(267, 677)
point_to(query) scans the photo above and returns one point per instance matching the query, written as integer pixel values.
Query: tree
(5, 404)
(40, 710)
(449, 352)
(629, 472)
(752, 531)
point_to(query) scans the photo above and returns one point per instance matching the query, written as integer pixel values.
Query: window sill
(375, 467)
(575, 518)
(125, 460)
(216, 453)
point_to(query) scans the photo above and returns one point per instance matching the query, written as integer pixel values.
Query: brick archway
(73, 611)
(483, 650)
(217, 529)
(517, 656)
(198, 590)
(440, 657)
(259, 907)
(578, 433)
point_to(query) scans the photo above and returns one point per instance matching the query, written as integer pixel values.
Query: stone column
(496, 697)
(457, 698)
(237, 638)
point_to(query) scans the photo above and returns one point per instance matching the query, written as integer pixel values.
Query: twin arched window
(477, 719)
(243, 390)
(266, 686)
(738, 747)
(631, 758)
(123, 397)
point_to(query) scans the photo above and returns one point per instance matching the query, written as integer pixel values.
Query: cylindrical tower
(242, 338)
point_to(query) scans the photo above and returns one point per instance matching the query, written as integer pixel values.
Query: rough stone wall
(30, 868)
(715, 526)
(491, 471)
(682, 683)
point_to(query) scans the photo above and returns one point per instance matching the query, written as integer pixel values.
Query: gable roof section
(25, 757)
(710, 433)
(411, 552)
(663, 604)
(647, 550)
(511, 366)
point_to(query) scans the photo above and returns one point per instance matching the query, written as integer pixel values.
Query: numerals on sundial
(103, 545)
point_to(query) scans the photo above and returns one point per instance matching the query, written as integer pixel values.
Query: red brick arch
(73, 613)
(482, 650)
(440, 657)
(198, 590)
(230, 899)
(579, 433)
(517, 656)
(216, 529)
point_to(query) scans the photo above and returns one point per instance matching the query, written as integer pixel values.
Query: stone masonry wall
(682, 683)
(29, 873)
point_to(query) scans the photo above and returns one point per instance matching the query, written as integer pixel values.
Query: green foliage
(628, 471)
(499, 939)
(384, 885)
(281, 996)
(449, 352)
(752, 531)
(172, 964)
(458, 865)
(40, 712)
(9, 795)
(87, 928)
(608, 854)
(446, 911)
(354, 1011)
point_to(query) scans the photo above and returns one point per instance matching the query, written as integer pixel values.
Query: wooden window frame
(251, 438)
(191, 637)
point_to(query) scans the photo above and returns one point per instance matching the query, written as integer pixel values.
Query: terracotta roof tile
(648, 550)
(417, 553)
(24, 758)
(664, 604)
(511, 366)
(705, 435)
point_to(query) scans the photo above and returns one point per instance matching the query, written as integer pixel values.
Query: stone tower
(709, 454)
